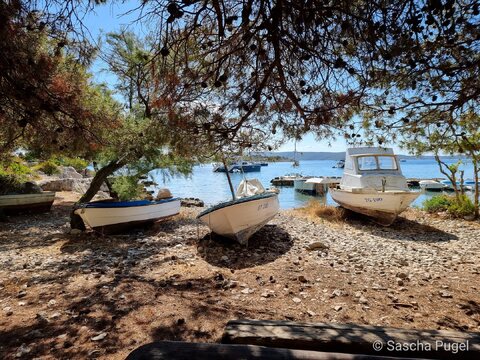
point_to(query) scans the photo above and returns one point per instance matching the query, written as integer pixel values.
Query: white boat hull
(27, 202)
(383, 207)
(431, 185)
(110, 217)
(240, 220)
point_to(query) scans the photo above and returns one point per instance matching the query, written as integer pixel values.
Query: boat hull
(382, 207)
(114, 219)
(240, 219)
(428, 185)
(27, 203)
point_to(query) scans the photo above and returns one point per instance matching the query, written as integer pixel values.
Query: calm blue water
(213, 187)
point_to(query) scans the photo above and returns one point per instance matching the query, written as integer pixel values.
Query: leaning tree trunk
(97, 181)
(452, 176)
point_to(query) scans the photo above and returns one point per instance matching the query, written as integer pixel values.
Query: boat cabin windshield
(377, 162)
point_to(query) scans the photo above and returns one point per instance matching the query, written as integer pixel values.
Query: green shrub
(461, 207)
(10, 183)
(48, 167)
(127, 187)
(77, 163)
(437, 203)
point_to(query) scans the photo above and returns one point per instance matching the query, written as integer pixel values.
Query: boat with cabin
(373, 184)
(313, 185)
(239, 166)
(340, 164)
(431, 185)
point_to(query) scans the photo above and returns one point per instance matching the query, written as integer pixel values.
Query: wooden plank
(354, 339)
(177, 350)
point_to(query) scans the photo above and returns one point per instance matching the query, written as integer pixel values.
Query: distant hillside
(312, 155)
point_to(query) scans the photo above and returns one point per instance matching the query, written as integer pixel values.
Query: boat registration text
(373, 200)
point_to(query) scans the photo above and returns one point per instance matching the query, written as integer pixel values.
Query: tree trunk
(452, 176)
(476, 194)
(97, 181)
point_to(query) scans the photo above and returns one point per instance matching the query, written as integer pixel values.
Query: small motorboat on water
(373, 184)
(110, 216)
(313, 185)
(27, 203)
(238, 219)
(340, 164)
(240, 166)
(431, 185)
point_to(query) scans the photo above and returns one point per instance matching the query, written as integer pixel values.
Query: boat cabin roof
(359, 155)
(357, 161)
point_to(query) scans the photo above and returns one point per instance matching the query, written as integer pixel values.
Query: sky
(114, 16)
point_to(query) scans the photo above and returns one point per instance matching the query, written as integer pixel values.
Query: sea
(213, 187)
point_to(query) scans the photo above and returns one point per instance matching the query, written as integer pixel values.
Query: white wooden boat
(240, 218)
(19, 203)
(431, 185)
(372, 184)
(114, 216)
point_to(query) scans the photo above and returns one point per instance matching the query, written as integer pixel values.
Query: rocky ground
(91, 296)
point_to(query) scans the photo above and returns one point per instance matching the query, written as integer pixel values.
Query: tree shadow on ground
(265, 246)
(401, 229)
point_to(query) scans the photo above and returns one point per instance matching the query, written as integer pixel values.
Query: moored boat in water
(373, 184)
(431, 185)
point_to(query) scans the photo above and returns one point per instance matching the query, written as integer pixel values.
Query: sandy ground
(92, 296)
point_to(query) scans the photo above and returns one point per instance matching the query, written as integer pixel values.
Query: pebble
(8, 310)
(445, 294)
(317, 245)
(99, 337)
(297, 300)
(337, 307)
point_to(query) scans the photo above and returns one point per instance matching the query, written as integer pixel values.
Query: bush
(10, 183)
(437, 203)
(48, 167)
(460, 207)
(127, 187)
(77, 163)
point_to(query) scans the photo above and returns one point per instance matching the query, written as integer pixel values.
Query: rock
(8, 310)
(363, 300)
(75, 231)
(55, 315)
(469, 217)
(224, 258)
(68, 172)
(296, 300)
(402, 275)
(400, 282)
(445, 294)
(311, 313)
(302, 279)
(22, 351)
(52, 302)
(21, 294)
(99, 337)
(31, 188)
(336, 292)
(191, 202)
(163, 193)
(337, 307)
(247, 291)
(317, 245)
